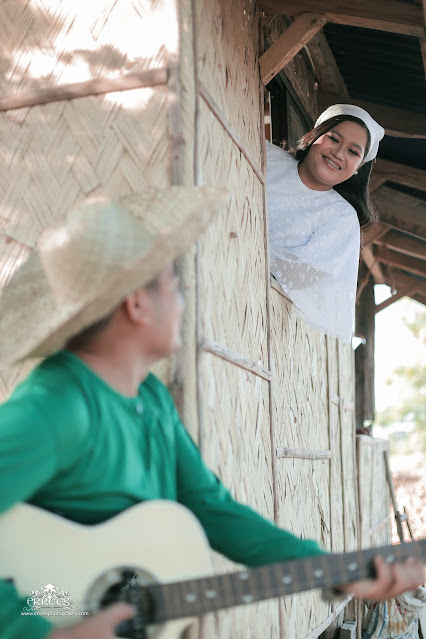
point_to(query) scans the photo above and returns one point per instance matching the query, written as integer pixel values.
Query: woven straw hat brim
(34, 324)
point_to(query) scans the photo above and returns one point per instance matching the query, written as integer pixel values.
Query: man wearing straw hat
(90, 432)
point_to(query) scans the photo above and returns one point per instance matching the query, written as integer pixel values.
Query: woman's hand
(100, 626)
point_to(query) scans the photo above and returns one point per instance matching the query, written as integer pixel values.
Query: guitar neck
(198, 596)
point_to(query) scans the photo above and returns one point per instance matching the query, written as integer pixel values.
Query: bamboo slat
(45, 95)
(347, 425)
(235, 358)
(231, 132)
(301, 453)
(335, 435)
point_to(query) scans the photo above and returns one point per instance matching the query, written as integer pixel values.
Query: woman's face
(335, 156)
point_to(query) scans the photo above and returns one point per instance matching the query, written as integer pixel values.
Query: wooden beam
(327, 73)
(364, 354)
(405, 244)
(400, 174)
(97, 86)
(373, 265)
(402, 292)
(396, 122)
(383, 15)
(403, 262)
(376, 181)
(373, 233)
(289, 43)
(423, 50)
(422, 3)
(402, 211)
(402, 279)
(362, 283)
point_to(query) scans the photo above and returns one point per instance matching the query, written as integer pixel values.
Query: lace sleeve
(320, 276)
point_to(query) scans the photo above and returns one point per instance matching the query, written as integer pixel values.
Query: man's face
(168, 306)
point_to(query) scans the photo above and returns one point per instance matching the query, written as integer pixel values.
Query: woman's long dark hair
(355, 189)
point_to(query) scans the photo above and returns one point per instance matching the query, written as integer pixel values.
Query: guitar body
(156, 556)
(163, 538)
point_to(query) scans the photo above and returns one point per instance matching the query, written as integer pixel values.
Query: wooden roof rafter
(423, 40)
(289, 44)
(402, 284)
(387, 171)
(393, 208)
(305, 32)
(383, 15)
(404, 262)
(403, 244)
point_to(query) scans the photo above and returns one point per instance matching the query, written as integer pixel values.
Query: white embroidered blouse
(314, 239)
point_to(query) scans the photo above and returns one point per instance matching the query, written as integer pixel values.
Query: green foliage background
(411, 409)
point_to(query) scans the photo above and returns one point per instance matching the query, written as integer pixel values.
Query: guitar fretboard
(198, 596)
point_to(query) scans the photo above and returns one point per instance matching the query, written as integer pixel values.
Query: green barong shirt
(73, 445)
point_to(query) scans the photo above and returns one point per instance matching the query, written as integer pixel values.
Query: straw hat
(89, 261)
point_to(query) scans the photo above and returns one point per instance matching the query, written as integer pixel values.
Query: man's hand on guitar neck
(392, 580)
(100, 626)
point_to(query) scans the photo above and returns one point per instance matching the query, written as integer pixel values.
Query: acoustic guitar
(156, 556)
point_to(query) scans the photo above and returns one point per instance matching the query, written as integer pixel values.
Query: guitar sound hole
(124, 584)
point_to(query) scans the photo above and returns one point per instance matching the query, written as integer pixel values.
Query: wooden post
(364, 354)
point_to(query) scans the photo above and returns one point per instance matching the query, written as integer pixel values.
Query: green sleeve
(233, 529)
(13, 625)
(26, 463)
(29, 456)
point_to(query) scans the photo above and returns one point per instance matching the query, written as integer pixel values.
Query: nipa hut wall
(374, 496)
(252, 378)
(57, 154)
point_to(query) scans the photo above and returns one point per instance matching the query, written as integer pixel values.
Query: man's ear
(138, 306)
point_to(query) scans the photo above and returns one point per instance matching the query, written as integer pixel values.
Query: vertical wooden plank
(183, 133)
(330, 439)
(364, 354)
(343, 452)
(335, 444)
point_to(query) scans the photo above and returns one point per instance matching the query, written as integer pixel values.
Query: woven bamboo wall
(299, 368)
(374, 494)
(252, 378)
(233, 280)
(55, 155)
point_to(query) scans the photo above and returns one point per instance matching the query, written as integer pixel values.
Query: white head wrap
(376, 131)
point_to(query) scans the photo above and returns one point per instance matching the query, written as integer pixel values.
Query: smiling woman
(317, 202)
(335, 156)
